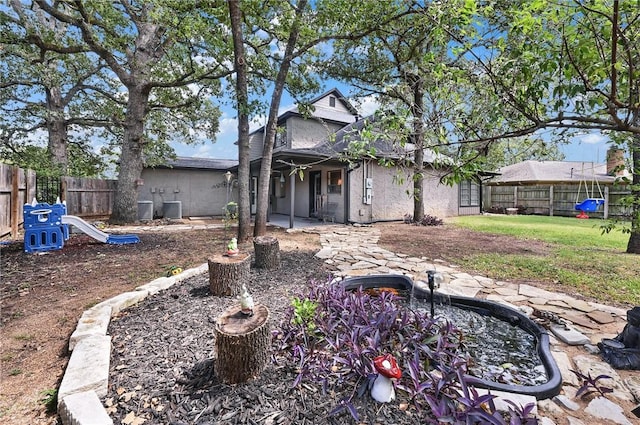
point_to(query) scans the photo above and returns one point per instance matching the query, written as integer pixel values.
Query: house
(361, 192)
(186, 187)
(557, 187)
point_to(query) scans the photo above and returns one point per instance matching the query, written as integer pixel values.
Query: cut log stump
(267, 251)
(242, 344)
(228, 274)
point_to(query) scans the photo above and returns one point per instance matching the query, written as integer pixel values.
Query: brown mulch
(170, 377)
(43, 296)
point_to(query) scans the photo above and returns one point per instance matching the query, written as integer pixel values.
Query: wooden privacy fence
(87, 198)
(17, 187)
(557, 200)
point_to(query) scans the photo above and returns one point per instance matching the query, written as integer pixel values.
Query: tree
(511, 151)
(46, 77)
(155, 49)
(569, 65)
(301, 28)
(409, 65)
(242, 106)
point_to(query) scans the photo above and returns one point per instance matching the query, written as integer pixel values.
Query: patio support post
(292, 191)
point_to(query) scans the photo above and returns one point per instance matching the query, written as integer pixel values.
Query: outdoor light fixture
(282, 179)
(227, 178)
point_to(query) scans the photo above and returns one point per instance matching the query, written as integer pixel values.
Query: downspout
(347, 195)
(481, 196)
(292, 201)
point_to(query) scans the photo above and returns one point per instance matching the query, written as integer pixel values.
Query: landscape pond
(509, 352)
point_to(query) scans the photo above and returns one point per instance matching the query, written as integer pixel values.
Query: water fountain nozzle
(434, 279)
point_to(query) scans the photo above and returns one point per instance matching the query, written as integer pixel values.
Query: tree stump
(267, 251)
(242, 344)
(227, 274)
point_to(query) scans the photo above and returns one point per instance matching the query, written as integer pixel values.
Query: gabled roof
(531, 172)
(338, 95)
(322, 113)
(383, 146)
(182, 162)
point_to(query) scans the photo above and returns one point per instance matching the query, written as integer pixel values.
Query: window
(469, 194)
(334, 182)
(332, 101)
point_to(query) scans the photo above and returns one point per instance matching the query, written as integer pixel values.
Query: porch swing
(590, 203)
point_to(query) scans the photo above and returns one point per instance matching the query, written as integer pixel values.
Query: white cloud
(592, 138)
(257, 122)
(228, 127)
(366, 105)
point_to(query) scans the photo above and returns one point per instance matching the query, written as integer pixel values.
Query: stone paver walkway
(353, 251)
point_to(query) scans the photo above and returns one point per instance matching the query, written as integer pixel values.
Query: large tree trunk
(262, 206)
(417, 110)
(242, 107)
(125, 202)
(633, 247)
(57, 129)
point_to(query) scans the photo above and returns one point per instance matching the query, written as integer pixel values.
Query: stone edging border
(86, 377)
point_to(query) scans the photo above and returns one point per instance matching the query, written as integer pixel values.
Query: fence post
(606, 203)
(15, 196)
(63, 188)
(551, 200)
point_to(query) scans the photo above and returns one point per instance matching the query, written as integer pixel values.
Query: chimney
(615, 162)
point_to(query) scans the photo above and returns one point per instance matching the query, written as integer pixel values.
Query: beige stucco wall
(391, 197)
(202, 192)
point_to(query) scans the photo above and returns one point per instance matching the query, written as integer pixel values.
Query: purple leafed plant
(591, 385)
(351, 328)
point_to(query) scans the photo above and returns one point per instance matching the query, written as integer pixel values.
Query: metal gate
(48, 189)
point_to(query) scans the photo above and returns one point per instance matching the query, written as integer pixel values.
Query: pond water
(499, 351)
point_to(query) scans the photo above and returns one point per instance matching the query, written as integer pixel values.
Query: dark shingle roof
(384, 146)
(200, 163)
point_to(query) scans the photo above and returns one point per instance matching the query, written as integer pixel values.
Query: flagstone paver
(585, 317)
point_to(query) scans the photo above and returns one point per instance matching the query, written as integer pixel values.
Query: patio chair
(329, 212)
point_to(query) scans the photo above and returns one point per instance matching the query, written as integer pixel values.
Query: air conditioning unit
(145, 210)
(172, 209)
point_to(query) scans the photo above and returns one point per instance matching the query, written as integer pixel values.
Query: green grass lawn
(582, 260)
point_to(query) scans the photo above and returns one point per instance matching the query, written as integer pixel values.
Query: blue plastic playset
(46, 227)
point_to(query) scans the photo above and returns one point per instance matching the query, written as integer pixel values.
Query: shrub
(427, 220)
(352, 328)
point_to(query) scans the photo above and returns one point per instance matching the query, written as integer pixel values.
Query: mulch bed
(162, 367)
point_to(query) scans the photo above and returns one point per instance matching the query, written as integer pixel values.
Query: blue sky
(591, 147)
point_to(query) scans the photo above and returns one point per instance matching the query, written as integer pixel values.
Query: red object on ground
(582, 215)
(386, 365)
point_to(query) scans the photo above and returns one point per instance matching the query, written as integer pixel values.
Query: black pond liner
(543, 391)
